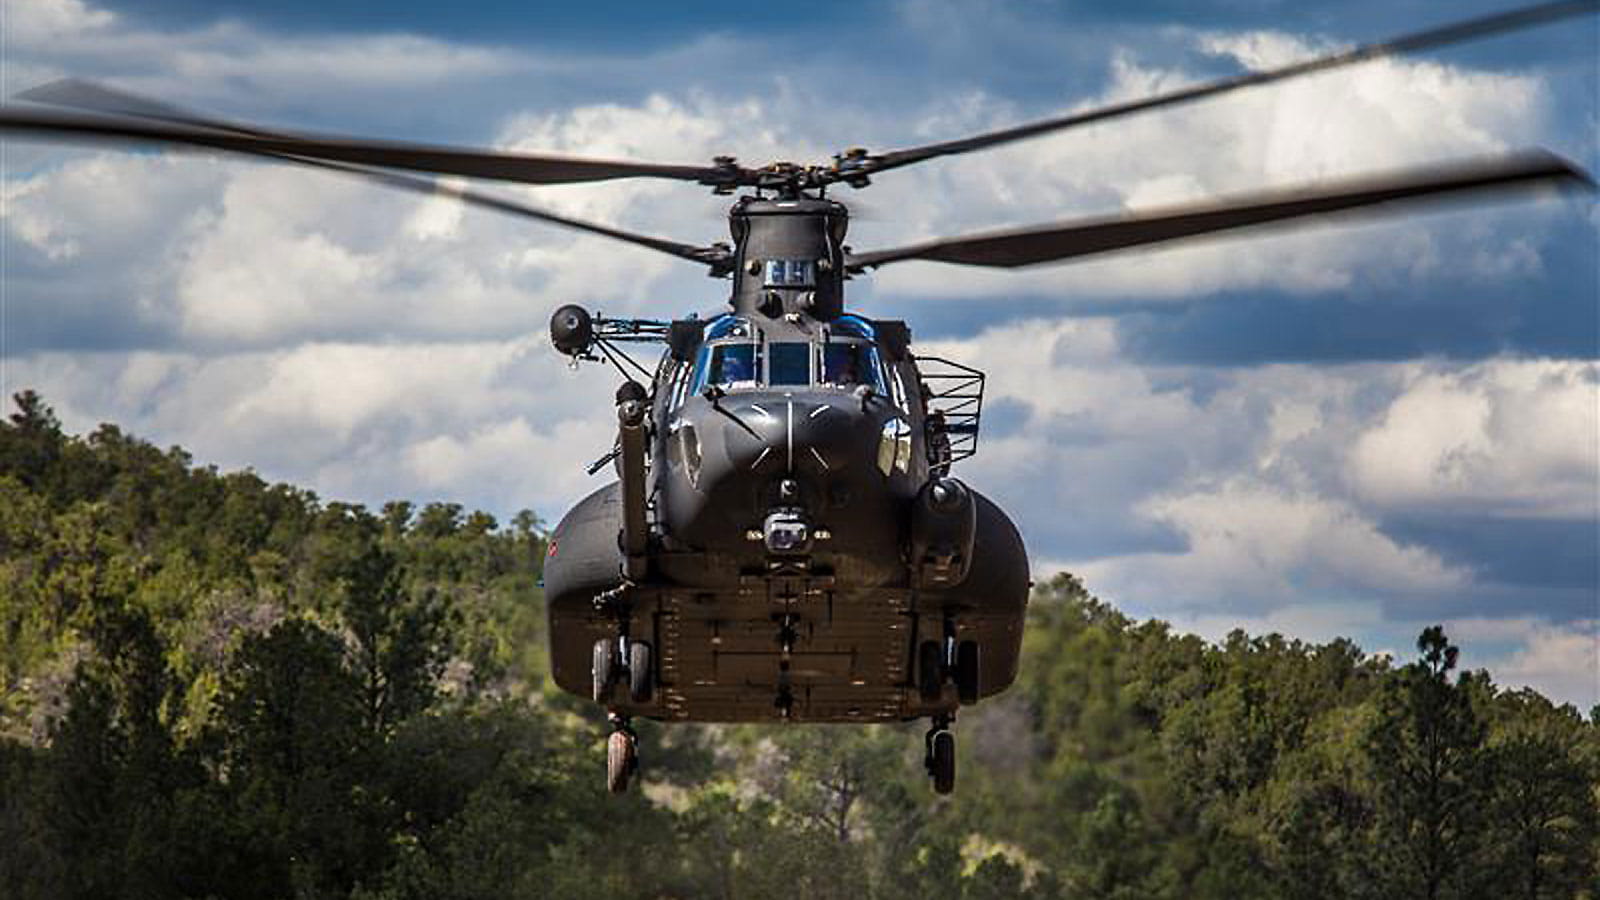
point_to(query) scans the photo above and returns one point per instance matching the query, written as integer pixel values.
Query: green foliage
(1427, 753)
(218, 687)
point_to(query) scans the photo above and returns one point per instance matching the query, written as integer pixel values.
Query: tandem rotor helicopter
(784, 540)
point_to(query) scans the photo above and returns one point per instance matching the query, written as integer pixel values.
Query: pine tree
(1426, 752)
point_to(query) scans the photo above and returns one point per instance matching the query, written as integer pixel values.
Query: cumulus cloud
(1250, 546)
(55, 37)
(28, 21)
(502, 425)
(1561, 661)
(1178, 490)
(1381, 116)
(1512, 437)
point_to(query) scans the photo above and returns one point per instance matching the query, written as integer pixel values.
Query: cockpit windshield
(789, 363)
(734, 356)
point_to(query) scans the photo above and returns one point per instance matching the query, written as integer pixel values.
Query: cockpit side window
(681, 377)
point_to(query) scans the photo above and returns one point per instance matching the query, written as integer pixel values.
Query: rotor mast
(789, 258)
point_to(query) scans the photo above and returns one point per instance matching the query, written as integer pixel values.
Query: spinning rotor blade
(438, 160)
(1025, 247)
(98, 98)
(75, 93)
(848, 169)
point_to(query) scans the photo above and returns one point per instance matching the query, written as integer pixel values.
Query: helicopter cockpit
(736, 355)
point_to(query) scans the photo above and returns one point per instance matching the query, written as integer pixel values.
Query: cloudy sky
(1340, 430)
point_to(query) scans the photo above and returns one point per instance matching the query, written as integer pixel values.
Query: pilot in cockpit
(732, 365)
(735, 368)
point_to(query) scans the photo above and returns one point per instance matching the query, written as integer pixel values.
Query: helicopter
(784, 540)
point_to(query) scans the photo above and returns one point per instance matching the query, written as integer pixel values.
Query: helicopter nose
(802, 435)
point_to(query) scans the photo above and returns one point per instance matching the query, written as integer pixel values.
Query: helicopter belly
(804, 647)
(783, 652)
(748, 654)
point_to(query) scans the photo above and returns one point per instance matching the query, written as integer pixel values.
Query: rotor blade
(519, 167)
(848, 169)
(717, 256)
(1026, 247)
(99, 98)
(75, 93)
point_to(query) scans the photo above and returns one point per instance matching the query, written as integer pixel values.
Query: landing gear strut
(949, 660)
(940, 758)
(622, 753)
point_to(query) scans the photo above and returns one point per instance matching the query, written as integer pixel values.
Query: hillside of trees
(214, 686)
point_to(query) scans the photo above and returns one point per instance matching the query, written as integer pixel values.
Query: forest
(218, 687)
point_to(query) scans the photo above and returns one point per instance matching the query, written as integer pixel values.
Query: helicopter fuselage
(784, 534)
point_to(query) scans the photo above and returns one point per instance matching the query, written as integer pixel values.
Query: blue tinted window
(726, 365)
(724, 359)
(789, 364)
(732, 364)
(790, 273)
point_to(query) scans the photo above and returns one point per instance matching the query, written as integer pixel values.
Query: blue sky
(1351, 429)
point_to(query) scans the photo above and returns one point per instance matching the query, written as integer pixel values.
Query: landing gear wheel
(641, 675)
(942, 762)
(967, 672)
(603, 668)
(622, 759)
(930, 669)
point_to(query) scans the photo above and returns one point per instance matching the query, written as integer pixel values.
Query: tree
(1426, 752)
(398, 634)
(31, 442)
(297, 762)
(1542, 808)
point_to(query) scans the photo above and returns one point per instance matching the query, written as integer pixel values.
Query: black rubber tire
(967, 683)
(930, 670)
(641, 672)
(621, 759)
(602, 668)
(944, 762)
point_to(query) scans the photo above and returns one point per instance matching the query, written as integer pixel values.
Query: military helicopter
(784, 540)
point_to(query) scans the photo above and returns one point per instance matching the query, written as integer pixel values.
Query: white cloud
(28, 21)
(70, 37)
(111, 209)
(1380, 116)
(513, 458)
(357, 422)
(1273, 482)
(1315, 622)
(1252, 546)
(1561, 661)
(1509, 437)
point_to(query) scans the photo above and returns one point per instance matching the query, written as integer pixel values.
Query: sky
(1351, 429)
